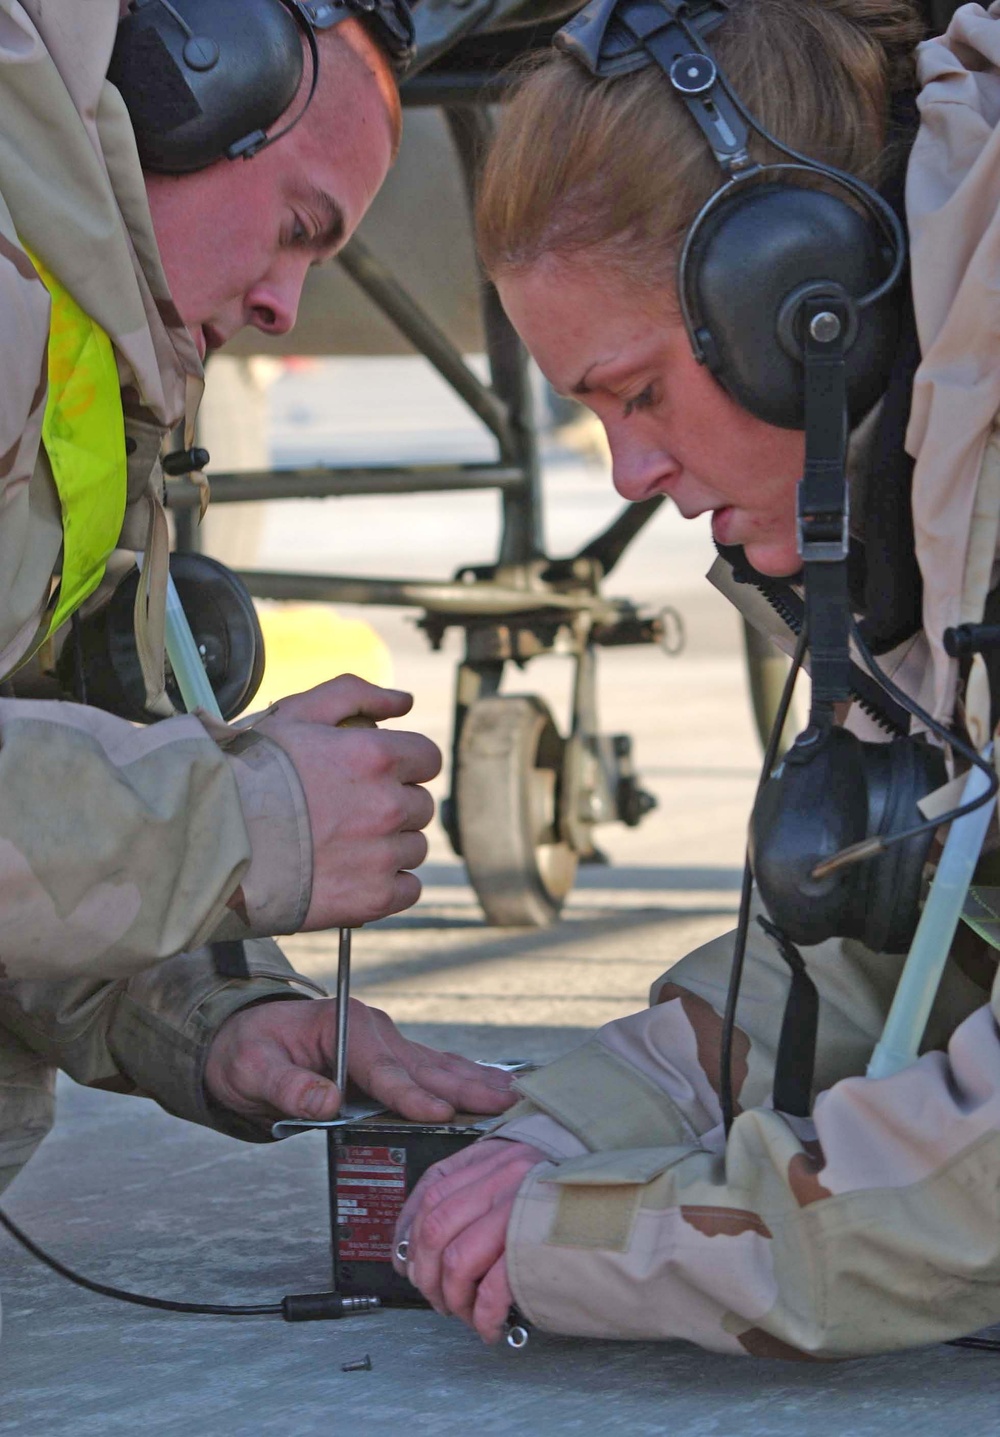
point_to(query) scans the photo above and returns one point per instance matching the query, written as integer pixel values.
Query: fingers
(343, 697)
(366, 813)
(365, 756)
(467, 1086)
(305, 725)
(438, 1224)
(411, 850)
(256, 1065)
(474, 1156)
(381, 1069)
(494, 1300)
(298, 1093)
(405, 891)
(468, 1258)
(276, 1057)
(412, 757)
(386, 1078)
(419, 808)
(460, 1228)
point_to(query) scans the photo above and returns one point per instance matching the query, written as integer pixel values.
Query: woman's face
(672, 429)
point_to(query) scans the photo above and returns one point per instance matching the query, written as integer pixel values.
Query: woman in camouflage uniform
(614, 1204)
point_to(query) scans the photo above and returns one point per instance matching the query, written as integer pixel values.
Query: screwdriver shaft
(343, 1000)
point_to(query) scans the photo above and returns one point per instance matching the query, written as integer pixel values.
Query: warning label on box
(371, 1190)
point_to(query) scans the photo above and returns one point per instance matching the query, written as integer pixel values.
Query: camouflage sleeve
(31, 532)
(869, 1228)
(122, 846)
(24, 333)
(150, 1034)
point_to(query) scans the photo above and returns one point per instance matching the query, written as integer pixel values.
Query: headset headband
(618, 37)
(205, 80)
(389, 22)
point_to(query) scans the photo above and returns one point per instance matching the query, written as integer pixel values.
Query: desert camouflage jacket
(120, 847)
(874, 1224)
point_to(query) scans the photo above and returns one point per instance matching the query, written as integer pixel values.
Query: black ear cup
(204, 79)
(752, 262)
(224, 623)
(832, 790)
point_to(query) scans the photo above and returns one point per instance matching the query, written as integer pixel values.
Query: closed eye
(641, 401)
(300, 237)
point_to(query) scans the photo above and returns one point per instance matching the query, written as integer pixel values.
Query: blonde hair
(619, 167)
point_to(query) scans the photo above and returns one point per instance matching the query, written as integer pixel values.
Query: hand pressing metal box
(375, 1159)
(373, 1167)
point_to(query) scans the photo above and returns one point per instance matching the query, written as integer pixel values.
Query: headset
(205, 80)
(756, 252)
(786, 280)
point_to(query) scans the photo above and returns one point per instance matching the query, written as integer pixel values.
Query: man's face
(237, 239)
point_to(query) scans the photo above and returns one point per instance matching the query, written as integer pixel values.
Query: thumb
(342, 698)
(300, 1093)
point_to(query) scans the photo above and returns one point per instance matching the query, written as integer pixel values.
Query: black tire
(507, 799)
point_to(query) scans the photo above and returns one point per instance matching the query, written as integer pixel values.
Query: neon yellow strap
(84, 436)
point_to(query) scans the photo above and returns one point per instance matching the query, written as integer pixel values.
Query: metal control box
(374, 1165)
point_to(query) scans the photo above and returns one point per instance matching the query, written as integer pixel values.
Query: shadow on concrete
(527, 944)
(667, 770)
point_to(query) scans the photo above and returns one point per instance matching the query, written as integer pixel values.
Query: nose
(273, 302)
(639, 469)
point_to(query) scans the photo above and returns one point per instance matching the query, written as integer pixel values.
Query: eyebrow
(620, 367)
(333, 223)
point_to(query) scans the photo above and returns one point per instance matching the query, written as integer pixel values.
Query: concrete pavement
(136, 1198)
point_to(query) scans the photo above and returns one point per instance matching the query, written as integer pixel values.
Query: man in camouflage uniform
(613, 1204)
(123, 850)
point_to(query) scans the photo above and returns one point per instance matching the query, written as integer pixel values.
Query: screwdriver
(344, 962)
(197, 692)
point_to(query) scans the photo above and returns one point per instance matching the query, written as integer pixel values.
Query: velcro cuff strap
(604, 1101)
(599, 1218)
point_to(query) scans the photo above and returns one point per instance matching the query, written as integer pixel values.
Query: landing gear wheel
(507, 799)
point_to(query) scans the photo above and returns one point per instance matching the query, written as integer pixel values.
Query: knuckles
(453, 1263)
(242, 1074)
(288, 1094)
(404, 893)
(371, 756)
(350, 687)
(433, 1228)
(394, 814)
(385, 876)
(433, 758)
(378, 1016)
(382, 753)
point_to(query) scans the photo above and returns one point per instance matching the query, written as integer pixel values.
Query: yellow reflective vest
(83, 432)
